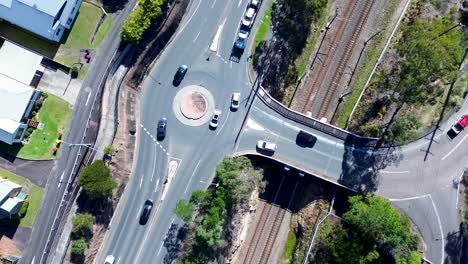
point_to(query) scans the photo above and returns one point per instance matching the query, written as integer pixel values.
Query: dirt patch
(7, 247)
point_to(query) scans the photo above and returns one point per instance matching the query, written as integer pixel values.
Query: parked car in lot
(249, 17)
(235, 98)
(109, 260)
(458, 127)
(180, 73)
(162, 128)
(266, 146)
(145, 213)
(215, 119)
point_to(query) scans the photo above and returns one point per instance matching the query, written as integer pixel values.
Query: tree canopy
(140, 20)
(96, 181)
(82, 225)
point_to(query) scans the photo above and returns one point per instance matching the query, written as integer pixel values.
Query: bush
(140, 20)
(37, 105)
(30, 130)
(78, 247)
(45, 95)
(27, 134)
(74, 71)
(82, 225)
(33, 113)
(108, 150)
(24, 209)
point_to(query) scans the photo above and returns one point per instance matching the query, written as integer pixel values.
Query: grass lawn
(81, 34)
(55, 114)
(34, 197)
(290, 244)
(263, 28)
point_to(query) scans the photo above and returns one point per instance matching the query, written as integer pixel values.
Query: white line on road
(214, 2)
(456, 146)
(141, 182)
(224, 123)
(89, 96)
(239, 4)
(408, 198)
(160, 248)
(118, 260)
(190, 18)
(196, 37)
(395, 172)
(61, 179)
(154, 163)
(440, 229)
(34, 258)
(157, 184)
(195, 170)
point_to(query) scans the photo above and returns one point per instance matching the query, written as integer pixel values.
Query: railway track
(320, 76)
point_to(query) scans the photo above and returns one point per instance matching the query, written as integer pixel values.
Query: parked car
(249, 17)
(266, 146)
(255, 4)
(109, 260)
(235, 98)
(145, 213)
(458, 127)
(162, 128)
(243, 34)
(215, 119)
(180, 73)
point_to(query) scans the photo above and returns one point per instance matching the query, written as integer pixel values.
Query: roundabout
(193, 105)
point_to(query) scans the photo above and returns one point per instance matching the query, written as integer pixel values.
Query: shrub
(33, 113)
(78, 247)
(27, 134)
(24, 209)
(37, 105)
(30, 130)
(96, 181)
(45, 95)
(74, 71)
(108, 150)
(82, 225)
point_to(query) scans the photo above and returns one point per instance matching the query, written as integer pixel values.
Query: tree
(82, 224)
(184, 210)
(96, 181)
(78, 247)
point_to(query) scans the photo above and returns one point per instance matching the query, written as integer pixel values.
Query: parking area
(60, 83)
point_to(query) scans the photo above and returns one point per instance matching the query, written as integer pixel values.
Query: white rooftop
(18, 63)
(10, 203)
(50, 7)
(14, 99)
(6, 3)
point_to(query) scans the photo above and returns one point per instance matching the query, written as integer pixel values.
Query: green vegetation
(108, 150)
(140, 20)
(209, 233)
(372, 53)
(34, 199)
(82, 225)
(81, 35)
(264, 26)
(290, 245)
(96, 181)
(373, 232)
(54, 114)
(184, 210)
(428, 63)
(78, 247)
(24, 209)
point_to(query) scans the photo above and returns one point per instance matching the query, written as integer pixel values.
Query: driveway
(19, 235)
(37, 171)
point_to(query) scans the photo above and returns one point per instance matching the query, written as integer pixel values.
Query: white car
(235, 98)
(215, 119)
(249, 17)
(255, 4)
(267, 146)
(109, 260)
(243, 34)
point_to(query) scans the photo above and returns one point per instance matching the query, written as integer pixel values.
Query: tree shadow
(361, 165)
(173, 242)
(102, 210)
(456, 246)
(113, 6)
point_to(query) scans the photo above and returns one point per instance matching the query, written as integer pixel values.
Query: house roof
(10, 204)
(50, 7)
(6, 3)
(18, 63)
(5, 190)
(14, 99)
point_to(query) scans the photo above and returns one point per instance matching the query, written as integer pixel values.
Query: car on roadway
(243, 34)
(109, 260)
(266, 146)
(458, 127)
(215, 119)
(255, 4)
(145, 213)
(235, 99)
(180, 73)
(249, 17)
(161, 133)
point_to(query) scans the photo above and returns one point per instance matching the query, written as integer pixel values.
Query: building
(10, 201)
(19, 68)
(46, 18)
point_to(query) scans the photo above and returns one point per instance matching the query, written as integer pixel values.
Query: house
(46, 18)
(19, 68)
(10, 203)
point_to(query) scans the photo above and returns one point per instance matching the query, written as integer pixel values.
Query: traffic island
(193, 105)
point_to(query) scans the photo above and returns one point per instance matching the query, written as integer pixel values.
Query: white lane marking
(160, 146)
(195, 170)
(89, 96)
(118, 260)
(141, 182)
(154, 163)
(34, 258)
(254, 125)
(224, 123)
(219, 39)
(160, 248)
(214, 47)
(455, 148)
(230, 66)
(440, 229)
(190, 18)
(408, 198)
(196, 37)
(239, 4)
(141, 125)
(394, 172)
(61, 179)
(159, 251)
(156, 188)
(214, 2)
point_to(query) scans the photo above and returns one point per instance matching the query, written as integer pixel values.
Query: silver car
(215, 119)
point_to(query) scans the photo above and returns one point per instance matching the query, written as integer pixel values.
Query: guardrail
(311, 122)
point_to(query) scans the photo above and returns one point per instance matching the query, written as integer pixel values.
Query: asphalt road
(44, 228)
(185, 161)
